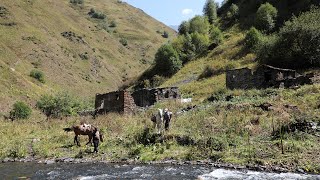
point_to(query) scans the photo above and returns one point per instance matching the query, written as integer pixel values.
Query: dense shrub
(233, 12)
(200, 42)
(184, 28)
(184, 46)
(252, 39)
(300, 38)
(298, 43)
(113, 24)
(123, 41)
(157, 80)
(38, 75)
(216, 35)
(167, 60)
(210, 11)
(20, 111)
(199, 24)
(266, 17)
(84, 56)
(190, 45)
(265, 49)
(104, 25)
(96, 14)
(61, 104)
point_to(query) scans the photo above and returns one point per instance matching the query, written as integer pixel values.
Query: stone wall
(148, 97)
(127, 103)
(266, 76)
(168, 93)
(118, 101)
(239, 79)
(129, 107)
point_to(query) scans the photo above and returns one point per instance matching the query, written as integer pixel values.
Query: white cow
(163, 116)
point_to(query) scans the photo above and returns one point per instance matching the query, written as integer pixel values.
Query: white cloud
(186, 12)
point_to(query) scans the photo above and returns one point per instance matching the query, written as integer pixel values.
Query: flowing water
(96, 171)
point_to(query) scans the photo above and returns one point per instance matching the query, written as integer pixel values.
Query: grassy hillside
(75, 52)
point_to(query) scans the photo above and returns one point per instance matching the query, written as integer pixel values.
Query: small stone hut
(148, 97)
(117, 101)
(265, 76)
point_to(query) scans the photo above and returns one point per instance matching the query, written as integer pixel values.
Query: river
(97, 171)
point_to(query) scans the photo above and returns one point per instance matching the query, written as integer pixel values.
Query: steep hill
(75, 52)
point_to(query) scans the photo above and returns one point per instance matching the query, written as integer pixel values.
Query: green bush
(297, 44)
(77, 1)
(123, 41)
(184, 28)
(38, 75)
(113, 24)
(299, 39)
(252, 39)
(185, 48)
(61, 104)
(157, 81)
(96, 14)
(266, 49)
(266, 17)
(84, 56)
(216, 35)
(200, 42)
(167, 60)
(210, 11)
(233, 12)
(104, 25)
(20, 111)
(199, 24)
(190, 45)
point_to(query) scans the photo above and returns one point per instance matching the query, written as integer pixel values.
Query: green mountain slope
(76, 52)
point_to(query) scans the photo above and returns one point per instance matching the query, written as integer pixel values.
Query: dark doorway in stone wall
(166, 94)
(267, 76)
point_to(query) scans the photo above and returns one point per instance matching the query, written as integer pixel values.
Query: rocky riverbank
(260, 168)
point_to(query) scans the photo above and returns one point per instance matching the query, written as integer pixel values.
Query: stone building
(117, 101)
(264, 77)
(127, 102)
(148, 97)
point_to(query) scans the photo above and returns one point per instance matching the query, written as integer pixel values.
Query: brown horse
(89, 130)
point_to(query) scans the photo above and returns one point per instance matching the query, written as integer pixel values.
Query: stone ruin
(118, 101)
(267, 76)
(127, 103)
(148, 97)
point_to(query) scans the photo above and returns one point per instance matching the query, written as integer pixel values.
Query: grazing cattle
(89, 130)
(163, 116)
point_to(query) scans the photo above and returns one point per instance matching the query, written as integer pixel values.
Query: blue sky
(170, 12)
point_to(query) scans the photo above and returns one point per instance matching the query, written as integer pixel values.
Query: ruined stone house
(264, 77)
(117, 101)
(127, 102)
(148, 97)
